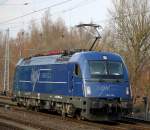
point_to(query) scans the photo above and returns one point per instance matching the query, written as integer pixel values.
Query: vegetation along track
(46, 121)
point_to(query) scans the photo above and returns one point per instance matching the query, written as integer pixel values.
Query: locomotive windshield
(106, 69)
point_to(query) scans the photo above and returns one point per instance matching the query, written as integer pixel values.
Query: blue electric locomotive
(87, 84)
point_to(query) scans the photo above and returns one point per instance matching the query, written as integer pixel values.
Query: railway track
(119, 125)
(6, 124)
(16, 123)
(106, 125)
(97, 125)
(44, 121)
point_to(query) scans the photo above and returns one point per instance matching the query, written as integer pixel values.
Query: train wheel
(28, 107)
(36, 109)
(63, 111)
(78, 115)
(19, 104)
(63, 115)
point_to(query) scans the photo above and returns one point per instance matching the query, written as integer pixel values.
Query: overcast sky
(72, 12)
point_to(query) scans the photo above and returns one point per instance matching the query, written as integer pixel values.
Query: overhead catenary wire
(78, 5)
(63, 11)
(36, 11)
(104, 20)
(2, 2)
(13, 4)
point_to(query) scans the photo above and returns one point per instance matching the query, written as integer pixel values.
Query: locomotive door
(75, 80)
(70, 78)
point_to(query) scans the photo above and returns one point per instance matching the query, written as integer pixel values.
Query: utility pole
(6, 64)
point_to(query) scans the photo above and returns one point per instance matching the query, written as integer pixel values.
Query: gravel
(43, 122)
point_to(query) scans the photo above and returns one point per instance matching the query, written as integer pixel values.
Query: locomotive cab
(105, 84)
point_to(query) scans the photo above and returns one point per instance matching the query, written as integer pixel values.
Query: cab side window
(77, 71)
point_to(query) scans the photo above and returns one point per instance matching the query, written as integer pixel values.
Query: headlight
(88, 90)
(127, 90)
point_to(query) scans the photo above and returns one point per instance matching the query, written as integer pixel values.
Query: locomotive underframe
(87, 108)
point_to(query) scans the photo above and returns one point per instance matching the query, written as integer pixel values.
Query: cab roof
(62, 59)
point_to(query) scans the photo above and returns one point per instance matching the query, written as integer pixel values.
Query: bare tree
(131, 24)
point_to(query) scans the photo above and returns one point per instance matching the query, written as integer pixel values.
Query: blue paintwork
(46, 74)
(102, 90)
(57, 83)
(108, 90)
